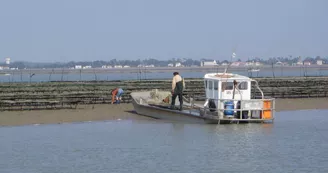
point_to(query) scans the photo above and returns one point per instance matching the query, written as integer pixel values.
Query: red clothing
(114, 93)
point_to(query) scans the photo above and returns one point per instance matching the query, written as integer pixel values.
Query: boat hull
(170, 115)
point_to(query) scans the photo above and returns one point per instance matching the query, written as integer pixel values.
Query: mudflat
(122, 111)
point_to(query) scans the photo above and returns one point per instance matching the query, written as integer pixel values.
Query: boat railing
(258, 87)
(256, 109)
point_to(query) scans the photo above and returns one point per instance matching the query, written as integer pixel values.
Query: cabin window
(216, 85)
(243, 86)
(206, 84)
(229, 86)
(210, 85)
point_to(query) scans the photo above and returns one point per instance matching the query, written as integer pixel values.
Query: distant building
(249, 63)
(78, 66)
(208, 63)
(106, 66)
(253, 63)
(141, 65)
(87, 66)
(4, 68)
(224, 64)
(170, 65)
(238, 63)
(319, 62)
(126, 66)
(299, 63)
(118, 66)
(279, 63)
(306, 63)
(178, 64)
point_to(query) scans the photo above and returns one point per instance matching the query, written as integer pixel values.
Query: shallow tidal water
(296, 142)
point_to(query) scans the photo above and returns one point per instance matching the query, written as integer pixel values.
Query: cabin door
(210, 87)
(216, 92)
(212, 91)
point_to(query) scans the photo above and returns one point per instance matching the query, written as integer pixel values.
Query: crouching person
(117, 95)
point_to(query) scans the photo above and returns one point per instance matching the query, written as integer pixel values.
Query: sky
(85, 30)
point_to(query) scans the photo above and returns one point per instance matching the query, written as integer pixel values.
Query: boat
(227, 100)
(253, 70)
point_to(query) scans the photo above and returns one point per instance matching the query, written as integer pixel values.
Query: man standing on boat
(178, 86)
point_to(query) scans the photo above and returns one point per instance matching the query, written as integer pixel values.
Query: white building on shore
(78, 67)
(87, 67)
(118, 66)
(170, 65)
(106, 66)
(178, 64)
(319, 62)
(208, 63)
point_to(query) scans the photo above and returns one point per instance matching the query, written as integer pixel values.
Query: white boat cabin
(221, 86)
(231, 94)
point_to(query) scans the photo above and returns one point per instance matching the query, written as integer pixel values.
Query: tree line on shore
(158, 63)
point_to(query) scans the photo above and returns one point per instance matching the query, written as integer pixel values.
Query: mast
(232, 56)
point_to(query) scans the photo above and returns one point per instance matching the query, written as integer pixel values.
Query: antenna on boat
(232, 56)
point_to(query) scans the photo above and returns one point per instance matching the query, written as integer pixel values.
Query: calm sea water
(296, 142)
(17, 77)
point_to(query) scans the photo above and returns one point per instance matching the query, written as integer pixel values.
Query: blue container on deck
(229, 108)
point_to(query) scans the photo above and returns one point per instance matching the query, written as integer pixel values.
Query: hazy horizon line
(170, 59)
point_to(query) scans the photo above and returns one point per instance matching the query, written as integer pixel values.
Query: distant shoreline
(155, 69)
